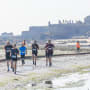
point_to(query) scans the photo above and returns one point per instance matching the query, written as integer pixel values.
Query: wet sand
(62, 65)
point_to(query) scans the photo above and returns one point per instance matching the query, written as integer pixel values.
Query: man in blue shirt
(23, 52)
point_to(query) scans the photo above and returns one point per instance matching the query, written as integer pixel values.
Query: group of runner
(12, 53)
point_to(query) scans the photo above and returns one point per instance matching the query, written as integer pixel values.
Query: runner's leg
(8, 65)
(33, 58)
(50, 61)
(7, 58)
(46, 61)
(22, 59)
(12, 65)
(23, 62)
(15, 66)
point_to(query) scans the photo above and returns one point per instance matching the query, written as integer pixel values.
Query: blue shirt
(22, 50)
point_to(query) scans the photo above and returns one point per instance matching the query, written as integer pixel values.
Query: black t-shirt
(14, 52)
(49, 48)
(35, 47)
(8, 49)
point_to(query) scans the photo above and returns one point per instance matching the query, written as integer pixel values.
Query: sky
(18, 15)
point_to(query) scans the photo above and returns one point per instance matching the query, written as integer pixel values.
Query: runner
(24, 42)
(23, 52)
(78, 46)
(8, 48)
(35, 48)
(14, 53)
(49, 52)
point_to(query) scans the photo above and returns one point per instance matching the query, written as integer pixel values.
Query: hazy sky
(18, 15)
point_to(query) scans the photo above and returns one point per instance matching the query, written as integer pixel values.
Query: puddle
(72, 82)
(25, 68)
(69, 82)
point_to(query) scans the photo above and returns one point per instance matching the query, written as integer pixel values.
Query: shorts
(14, 59)
(78, 49)
(34, 53)
(22, 56)
(48, 55)
(8, 57)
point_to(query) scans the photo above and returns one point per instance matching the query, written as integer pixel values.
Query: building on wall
(7, 35)
(63, 30)
(34, 33)
(87, 20)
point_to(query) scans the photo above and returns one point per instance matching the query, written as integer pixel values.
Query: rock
(33, 84)
(16, 79)
(48, 82)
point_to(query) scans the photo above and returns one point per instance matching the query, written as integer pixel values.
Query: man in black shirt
(35, 48)
(8, 48)
(49, 52)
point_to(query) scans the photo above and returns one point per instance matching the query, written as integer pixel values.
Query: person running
(8, 48)
(49, 52)
(23, 52)
(14, 53)
(24, 42)
(78, 46)
(35, 48)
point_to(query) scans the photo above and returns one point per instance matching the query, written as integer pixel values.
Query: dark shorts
(78, 49)
(14, 58)
(8, 57)
(34, 53)
(22, 56)
(49, 55)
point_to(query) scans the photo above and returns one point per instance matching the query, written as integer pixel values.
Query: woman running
(14, 53)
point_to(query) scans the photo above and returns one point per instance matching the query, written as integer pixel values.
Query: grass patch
(74, 84)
